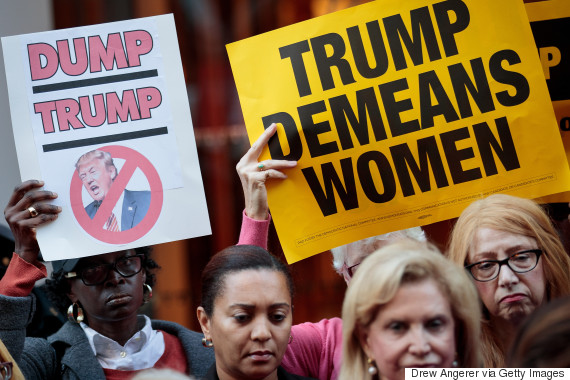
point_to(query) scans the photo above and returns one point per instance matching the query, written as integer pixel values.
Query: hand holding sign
(27, 210)
(253, 175)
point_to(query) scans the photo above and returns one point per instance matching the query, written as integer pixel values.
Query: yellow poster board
(550, 24)
(399, 114)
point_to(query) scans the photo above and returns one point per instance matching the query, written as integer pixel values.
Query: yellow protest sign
(399, 114)
(550, 24)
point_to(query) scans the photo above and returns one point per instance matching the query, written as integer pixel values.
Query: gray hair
(368, 244)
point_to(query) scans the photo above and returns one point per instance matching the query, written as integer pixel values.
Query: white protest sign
(100, 113)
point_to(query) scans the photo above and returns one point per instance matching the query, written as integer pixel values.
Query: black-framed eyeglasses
(126, 266)
(520, 262)
(6, 370)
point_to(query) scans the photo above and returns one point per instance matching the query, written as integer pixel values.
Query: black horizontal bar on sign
(94, 81)
(105, 139)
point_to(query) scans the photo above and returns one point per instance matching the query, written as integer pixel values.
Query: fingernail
(59, 209)
(272, 126)
(54, 194)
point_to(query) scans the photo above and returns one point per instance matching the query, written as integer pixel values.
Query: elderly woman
(407, 306)
(246, 314)
(105, 338)
(516, 260)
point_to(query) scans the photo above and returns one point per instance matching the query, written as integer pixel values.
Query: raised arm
(253, 175)
(26, 210)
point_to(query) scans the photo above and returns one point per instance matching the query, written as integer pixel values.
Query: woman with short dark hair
(246, 313)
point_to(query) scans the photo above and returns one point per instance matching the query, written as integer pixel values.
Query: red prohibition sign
(94, 227)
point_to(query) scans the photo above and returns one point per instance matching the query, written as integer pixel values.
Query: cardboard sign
(550, 23)
(399, 114)
(100, 113)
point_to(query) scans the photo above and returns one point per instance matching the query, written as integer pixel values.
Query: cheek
(486, 292)
(445, 347)
(385, 351)
(536, 283)
(226, 337)
(282, 334)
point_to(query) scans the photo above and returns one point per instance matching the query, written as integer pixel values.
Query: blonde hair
(378, 279)
(97, 155)
(518, 216)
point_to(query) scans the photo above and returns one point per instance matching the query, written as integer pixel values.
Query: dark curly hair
(58, 286)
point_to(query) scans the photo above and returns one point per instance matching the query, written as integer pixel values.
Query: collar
(142, 350)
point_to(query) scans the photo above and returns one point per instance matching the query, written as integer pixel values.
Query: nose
(114, 278)
(507, 277)
(419, 342)
(260, 330)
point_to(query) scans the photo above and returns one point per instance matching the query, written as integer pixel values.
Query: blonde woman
(408, 306)
(516, 261)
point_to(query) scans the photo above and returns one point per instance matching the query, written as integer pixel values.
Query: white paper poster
(100, 113)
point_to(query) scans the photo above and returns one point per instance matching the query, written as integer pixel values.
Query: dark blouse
(281, 374)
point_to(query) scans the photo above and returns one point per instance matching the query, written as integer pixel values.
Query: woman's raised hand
(26, 210)
(253, 175)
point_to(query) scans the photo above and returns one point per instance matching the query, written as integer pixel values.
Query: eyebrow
(492, 255)
(99, 261)
(250, 306)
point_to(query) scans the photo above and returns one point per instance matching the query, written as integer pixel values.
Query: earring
(207, 343)
(290, 339)
(71, 313)
(455, 363)
(147, 293)
(372, 370)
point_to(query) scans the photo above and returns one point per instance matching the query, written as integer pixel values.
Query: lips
(94, 188)
(261, 356)
(118, 299)
(512, 298)
(424, 365)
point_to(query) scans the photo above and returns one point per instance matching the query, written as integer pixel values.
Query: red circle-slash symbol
(95, 226)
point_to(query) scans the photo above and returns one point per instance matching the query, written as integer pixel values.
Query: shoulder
(90, 207)
(69, 333)
(177, 330)
(137, 195)
(199, 357)
(325, 329)
(17, 312)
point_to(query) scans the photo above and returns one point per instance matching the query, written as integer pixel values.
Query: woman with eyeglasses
(516, 260)
(105, 338)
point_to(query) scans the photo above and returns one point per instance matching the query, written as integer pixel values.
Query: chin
(518, 315)
(260, 371)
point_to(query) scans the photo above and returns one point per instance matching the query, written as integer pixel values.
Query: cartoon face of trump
(97, 172)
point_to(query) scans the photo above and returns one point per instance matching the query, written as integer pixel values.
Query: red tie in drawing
(112, 224)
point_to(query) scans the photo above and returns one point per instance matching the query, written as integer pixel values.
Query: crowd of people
(498, 296)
